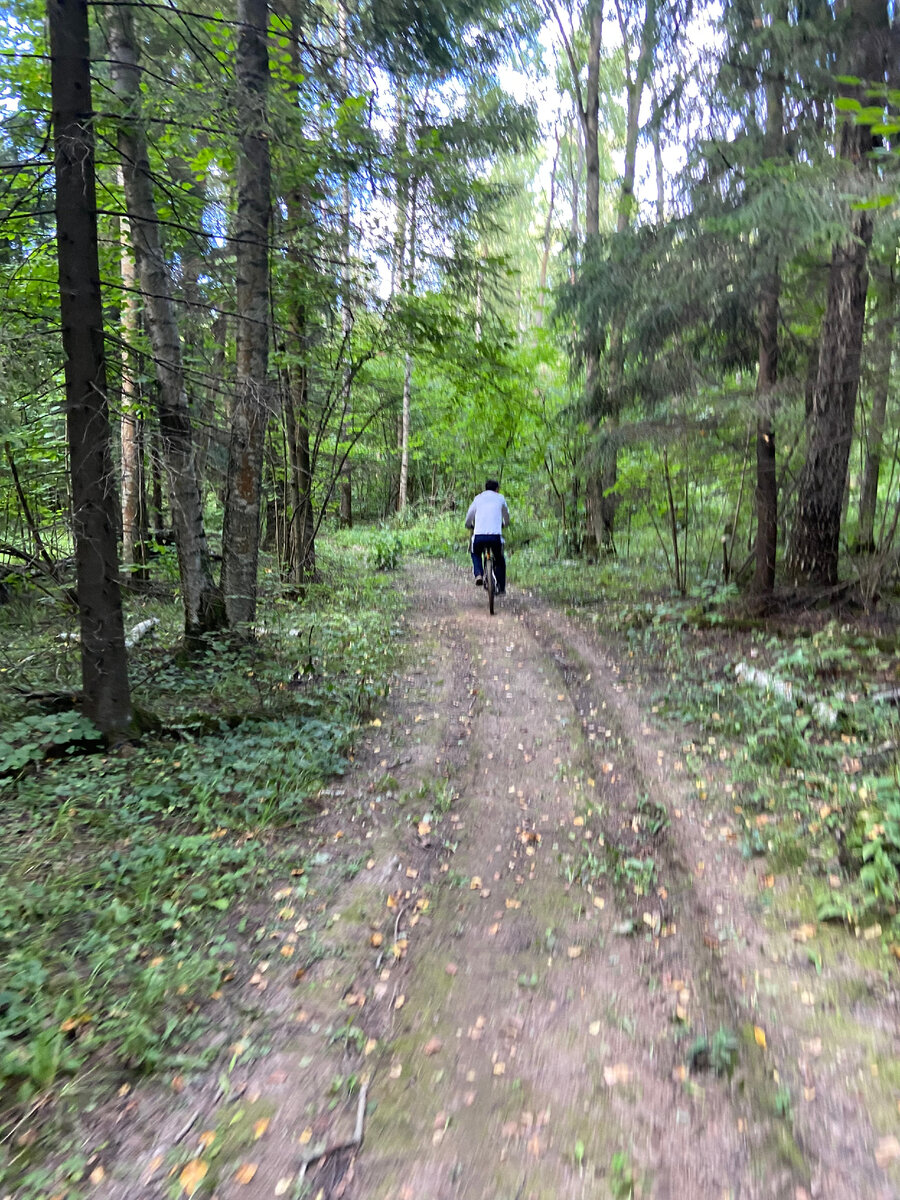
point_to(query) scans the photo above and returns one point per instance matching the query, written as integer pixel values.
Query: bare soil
(484, 955)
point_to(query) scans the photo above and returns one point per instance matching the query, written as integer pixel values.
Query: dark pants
(479, 545)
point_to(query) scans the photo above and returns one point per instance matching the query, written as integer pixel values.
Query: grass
(131, 882)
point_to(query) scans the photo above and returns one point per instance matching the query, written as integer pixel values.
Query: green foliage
(385, 550)
(33, 738)
(798, 750)
(129, 882)
(718, 1054)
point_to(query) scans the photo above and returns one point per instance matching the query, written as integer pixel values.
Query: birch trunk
(202, 600)
(134, 502)
(250, 412)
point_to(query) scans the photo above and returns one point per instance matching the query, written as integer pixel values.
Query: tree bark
(203, 607)
(883, 352)
(635, 81)
(104, 664)
(813, 556)
(250, 412)
(767, 375)
(766, 477)
(134, 503)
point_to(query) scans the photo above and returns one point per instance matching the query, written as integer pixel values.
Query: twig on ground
(352, 1143)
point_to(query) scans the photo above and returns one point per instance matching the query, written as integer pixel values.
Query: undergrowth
(129, 880)
(810, 749)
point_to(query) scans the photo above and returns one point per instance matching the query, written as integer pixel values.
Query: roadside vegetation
(129, 879)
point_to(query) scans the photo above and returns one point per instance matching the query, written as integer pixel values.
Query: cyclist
(487, 517)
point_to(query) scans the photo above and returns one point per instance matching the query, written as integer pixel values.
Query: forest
(281, 285)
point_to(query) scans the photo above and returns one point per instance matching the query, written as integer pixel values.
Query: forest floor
(528, 962)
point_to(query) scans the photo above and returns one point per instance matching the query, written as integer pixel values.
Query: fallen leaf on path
(306, 1136)
(475, 883)
(620, 1073)
(377, 939)
(283, 1184)
(574, 951)
(594, 1028)
(887, 1151)
(451, 968)
(400, 1001)
(499, 1068)
(760, 1036)
(513, 903)
(260, 1128)
(192, 1175)
(807, 998)
(424, 828)
(245, 1172)
(432, 1046)
(207, 1138)
(534, 1146)
(804, 933)
(396, 1071)
(97, 1175)
(599, 902)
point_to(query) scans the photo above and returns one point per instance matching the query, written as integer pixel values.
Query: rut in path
(531, 1040)
(537, 1053)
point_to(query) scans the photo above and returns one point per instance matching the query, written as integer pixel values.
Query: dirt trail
(527, 1017)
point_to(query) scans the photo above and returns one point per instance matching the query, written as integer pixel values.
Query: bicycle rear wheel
(490, 582)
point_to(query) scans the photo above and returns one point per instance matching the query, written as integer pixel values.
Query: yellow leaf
(260, 1128)
(97, 1175)
(499, 1068)
(400, 1001)
(620, 1073)
(283, 1184)
(574, 951)
(599, 902)
(306, 1136)
(376, 939)
(207, 1138)
(245, 1172)
(594, 1028)
(424, 828)
(376, 723)
(475, 883)
(760, 1036)
(192, 1175)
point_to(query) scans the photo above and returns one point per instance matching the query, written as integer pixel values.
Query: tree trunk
(409, 286)
(104, 664)
(240, 532)
(548, 232)
(202, 600)
(635, 82)
(813, 557)
(134, 503)
(345, 519)
(767, 375)
(883, 350)
(766, 478)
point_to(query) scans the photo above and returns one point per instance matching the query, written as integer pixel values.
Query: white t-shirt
(487, 513)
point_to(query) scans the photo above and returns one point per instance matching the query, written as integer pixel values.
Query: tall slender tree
(106, 697)
(252, 403)
(202, 600)
(813, 554)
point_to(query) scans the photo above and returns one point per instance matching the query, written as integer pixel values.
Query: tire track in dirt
(723, 934)
(530, 1058)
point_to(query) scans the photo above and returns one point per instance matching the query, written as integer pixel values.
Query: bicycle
(490, 579)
